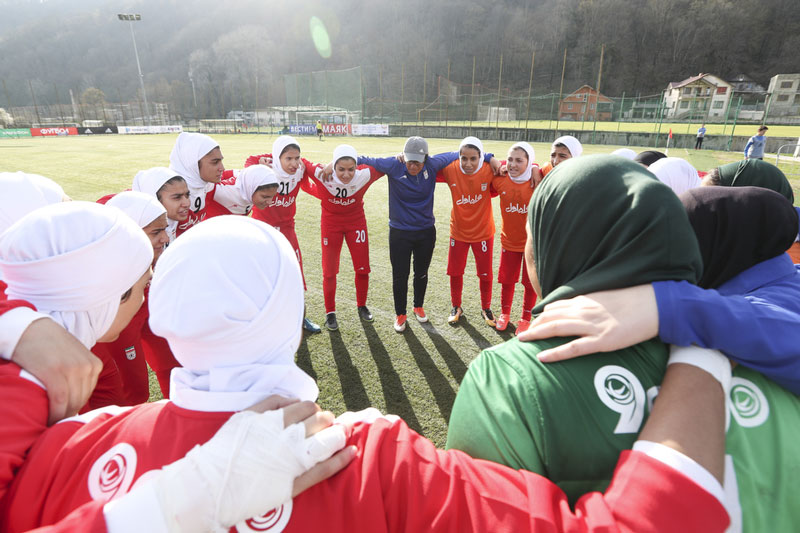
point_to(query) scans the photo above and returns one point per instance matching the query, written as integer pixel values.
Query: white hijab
(237, 337)
(21, 193)
(526, 175)
(627, 153)
(361, 177)
(677, 173)
(140, 207)
(188, 150)
(251, 178)
(150, 182)
(574, 145)
(474, 141)
(73, 261)
(278, 147)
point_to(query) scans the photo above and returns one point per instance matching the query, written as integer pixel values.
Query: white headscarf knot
(676, 173)
(189, 149)
(140, 207)
(232, 318)
(73, 261)
(21, 193)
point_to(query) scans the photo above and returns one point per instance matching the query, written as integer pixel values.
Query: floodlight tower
(131, 17)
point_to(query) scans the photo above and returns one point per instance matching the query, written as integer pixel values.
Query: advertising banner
(58, 130)
(302, 129)
(370, 129)
(15, 132)
(95, 130)
(335, 129)
(133, 130)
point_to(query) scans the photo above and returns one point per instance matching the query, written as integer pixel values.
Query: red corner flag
(670, 133)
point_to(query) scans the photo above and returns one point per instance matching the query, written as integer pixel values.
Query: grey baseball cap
(416, 149)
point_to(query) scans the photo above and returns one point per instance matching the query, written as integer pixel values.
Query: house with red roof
(700, 97)
(584, 104)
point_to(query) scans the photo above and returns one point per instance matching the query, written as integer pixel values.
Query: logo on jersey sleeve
(749, 406)
(112, 474)
(273, 521)
(325, 241)
(623, 393)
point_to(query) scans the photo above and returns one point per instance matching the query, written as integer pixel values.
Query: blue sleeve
(748, 329)
(439, 161)
(381, 164)
(798, 217)
(747, 146)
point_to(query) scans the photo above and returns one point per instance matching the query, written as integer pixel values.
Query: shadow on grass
(304, 359)
(394, 396)
(355, 396)
(454, 362)
(480, 341)
(440, 387)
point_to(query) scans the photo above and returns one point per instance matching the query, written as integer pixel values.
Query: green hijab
(756, 173)
(601, 222)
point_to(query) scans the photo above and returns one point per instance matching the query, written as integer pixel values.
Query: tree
(93, 97)
(6, 119)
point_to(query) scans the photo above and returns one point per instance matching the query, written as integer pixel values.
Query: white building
(704, 96)
(785, 95)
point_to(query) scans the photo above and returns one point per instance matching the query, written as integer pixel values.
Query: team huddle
(675, 286)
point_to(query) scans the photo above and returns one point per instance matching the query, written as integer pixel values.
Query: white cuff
(711, 361)
(139, 510)
(13, 324)
(683, 464)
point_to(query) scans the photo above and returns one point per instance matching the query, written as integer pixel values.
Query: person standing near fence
(701, 133)
(754, 149)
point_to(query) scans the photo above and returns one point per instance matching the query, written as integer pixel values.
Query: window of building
(569, 107)
(786, 84)
(687, 91)
(583, 108)
(722, 90)
(718, 104)
(783, 97)
(591, 106)
(684, 104)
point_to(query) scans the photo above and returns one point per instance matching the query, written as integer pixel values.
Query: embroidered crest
(130, 353)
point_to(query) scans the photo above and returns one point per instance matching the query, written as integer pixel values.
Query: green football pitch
(687, 128)
(414, 374)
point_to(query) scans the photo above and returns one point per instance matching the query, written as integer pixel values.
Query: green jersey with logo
(570, 420)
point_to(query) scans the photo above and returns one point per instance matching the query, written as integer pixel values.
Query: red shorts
(509, 271)
(357, 242)
(457, 257)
